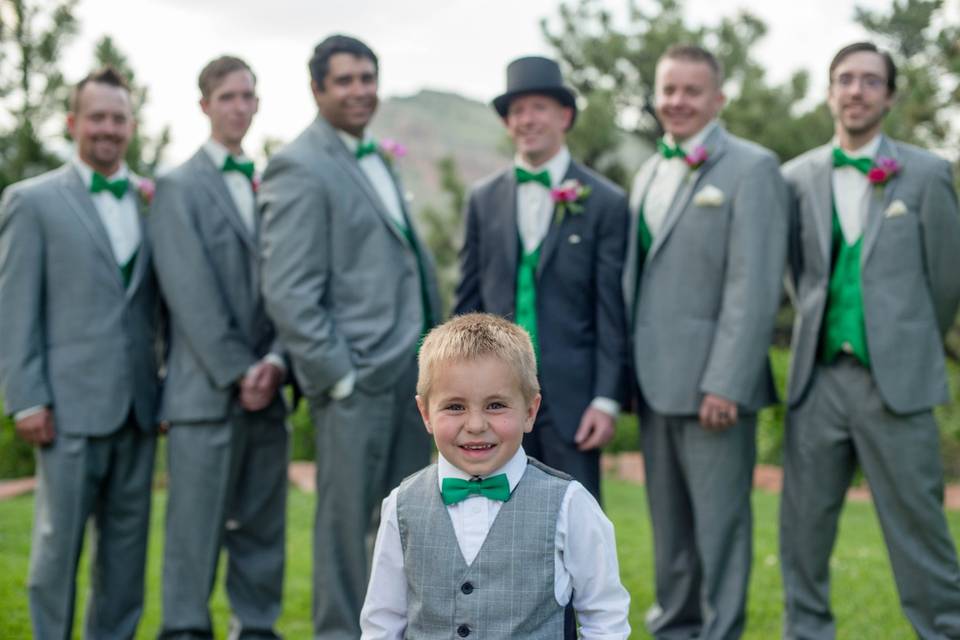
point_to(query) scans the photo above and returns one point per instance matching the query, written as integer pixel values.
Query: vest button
(463, 631)
(466, 588)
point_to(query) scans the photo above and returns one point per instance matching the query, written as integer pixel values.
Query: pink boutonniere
(697, 157)
(146, 188)
(883, 169)
(568, 196)
(392, 150)
(255, 183)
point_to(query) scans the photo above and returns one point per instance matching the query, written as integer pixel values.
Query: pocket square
(573, 239)
(896, 208)
(709, 196)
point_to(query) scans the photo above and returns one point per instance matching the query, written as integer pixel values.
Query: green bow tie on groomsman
(668, 151)
(454, 490)
(841, 159)
(366, 148)
(543, 177)
(117, 187)
(242, 166)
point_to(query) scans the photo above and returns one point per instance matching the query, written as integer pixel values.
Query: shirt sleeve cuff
(344, 386)
(26, 413)
(277, 361)
(607, 405)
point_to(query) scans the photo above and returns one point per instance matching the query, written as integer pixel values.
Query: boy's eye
(453, 406)
(497, 405)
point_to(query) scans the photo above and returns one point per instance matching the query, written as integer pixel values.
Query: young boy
(488, 542)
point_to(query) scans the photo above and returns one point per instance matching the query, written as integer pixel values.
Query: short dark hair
(105, 75)
(695, 53)
(869, 47)
(218, 69)
(320, 62)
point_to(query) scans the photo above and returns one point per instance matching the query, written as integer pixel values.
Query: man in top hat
(702, 284)
(77, 364)
(874, 246)
(227, 443)
(544, 246)
(351, 290)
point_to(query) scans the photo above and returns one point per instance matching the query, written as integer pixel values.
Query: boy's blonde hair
(478, 335)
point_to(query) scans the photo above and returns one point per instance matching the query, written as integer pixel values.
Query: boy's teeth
(477, 446)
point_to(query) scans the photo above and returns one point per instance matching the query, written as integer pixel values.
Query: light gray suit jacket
(207, 264)
(909, 272)
(71, 336)
(340, 280)
(702, 302)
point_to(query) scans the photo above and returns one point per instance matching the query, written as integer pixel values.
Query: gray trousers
(698, 489)
(109, 479)
(227, 489)
(842, 422)
(366, 444)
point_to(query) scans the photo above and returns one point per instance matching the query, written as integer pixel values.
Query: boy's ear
(424, 412)
(532, 410)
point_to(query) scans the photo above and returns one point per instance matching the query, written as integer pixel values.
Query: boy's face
(477, 414)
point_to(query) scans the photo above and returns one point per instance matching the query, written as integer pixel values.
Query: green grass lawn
(864, 598)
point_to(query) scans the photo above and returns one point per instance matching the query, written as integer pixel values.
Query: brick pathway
(625, 466)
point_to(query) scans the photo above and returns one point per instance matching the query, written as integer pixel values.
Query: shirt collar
(86, 171)
(514, 468)
(696, 139)
(556, 166)
(868, 150)
(218, 153)
(352, 142)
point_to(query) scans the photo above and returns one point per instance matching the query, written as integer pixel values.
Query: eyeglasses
(868, 81)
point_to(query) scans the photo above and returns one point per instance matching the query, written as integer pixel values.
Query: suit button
(463, 631)
(466, 588)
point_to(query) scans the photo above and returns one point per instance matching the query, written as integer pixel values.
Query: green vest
(644, 242)
(126, 270)
(525, 307)
(844, 329)
(424, 292)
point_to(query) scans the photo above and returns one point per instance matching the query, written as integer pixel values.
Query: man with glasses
(873, 243)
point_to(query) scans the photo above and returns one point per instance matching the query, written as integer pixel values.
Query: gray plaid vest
(508, 591)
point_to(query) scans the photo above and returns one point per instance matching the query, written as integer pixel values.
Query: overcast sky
(455, 45)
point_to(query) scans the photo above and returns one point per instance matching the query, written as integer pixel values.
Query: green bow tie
(670, 152)
(455, 490)
(542, 177)
(840, 159)
(117, 187)
(242, 166)
(366, 148)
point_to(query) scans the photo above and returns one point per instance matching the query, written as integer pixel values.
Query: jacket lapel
(142, 257)
(821, 171)
(638, 193)
(716, 145)
(211, 179)
(553, 231)
(504, 234)
(78, 196)
(880, 199)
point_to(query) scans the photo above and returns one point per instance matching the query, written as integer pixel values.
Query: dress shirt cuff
(607, 405)
(344, 386)
(26, 413)
(277, 361)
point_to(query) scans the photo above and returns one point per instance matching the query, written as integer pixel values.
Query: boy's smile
(477, 414)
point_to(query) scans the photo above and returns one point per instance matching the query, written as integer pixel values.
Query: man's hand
(259, 386)
(716, 413)
(37, 428)
(596, 429)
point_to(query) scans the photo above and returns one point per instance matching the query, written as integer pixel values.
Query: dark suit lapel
(715, 144)
(211, 179)
(880, 199)
(554, 234)
(504, 235)
(821, 173)
(78, 196)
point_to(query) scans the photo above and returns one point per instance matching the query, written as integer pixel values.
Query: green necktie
(455, 490)
(366, 148)
(840, 159)
(542, 177)
(242, 166)
(670, 152)
(117, 187)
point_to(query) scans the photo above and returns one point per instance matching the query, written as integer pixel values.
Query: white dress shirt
(851, 191)
(379, 176)
(120, 217)
(239, 186)
(585, 559)
(667, 178)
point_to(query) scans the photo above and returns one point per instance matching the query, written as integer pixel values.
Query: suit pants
(366, 444)
(549, 446)
(841, 422)
(698, 490)
(108, 478)
(227, 488)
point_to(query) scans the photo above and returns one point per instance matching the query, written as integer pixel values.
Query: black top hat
(535, 74)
